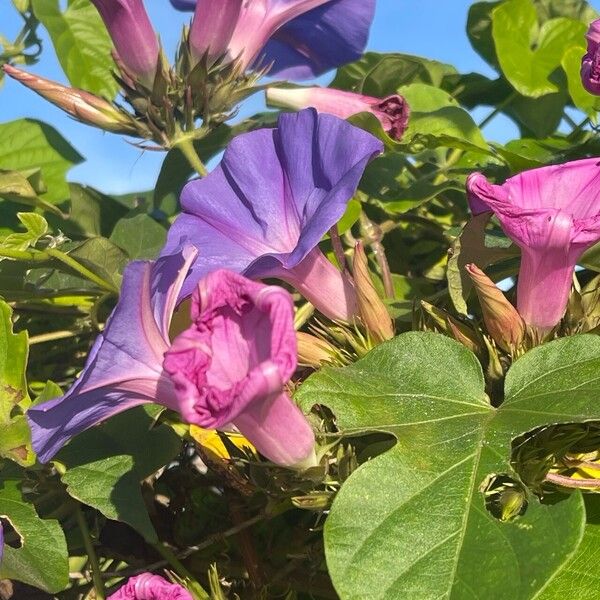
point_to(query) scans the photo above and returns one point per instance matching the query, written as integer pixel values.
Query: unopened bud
(373, 311)
(503, 322)
(313, 351)
(81, 105)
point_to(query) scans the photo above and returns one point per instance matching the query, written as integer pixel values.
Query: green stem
(28, 255)
(52, 336)
(169, 556)
(498, 110)
(186, 145)
(89, 548)
(71, 262)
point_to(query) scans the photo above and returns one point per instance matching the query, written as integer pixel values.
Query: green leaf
(15, 441)
(516, 33)
(579, 578)
(413, 522)
(36, 227)
(382, 74)
(28, 144)
(42, 559)
(23, 187)
(82, 44)
(106, 464)
(479, 30)
(575, 9)
(139, 235)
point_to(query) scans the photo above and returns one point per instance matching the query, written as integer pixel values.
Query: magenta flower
(590, 63)
(392, 111)
(230, 366)
(296, 39)
(553, 215)
(132, 34)
(263, 211)
(150, 587)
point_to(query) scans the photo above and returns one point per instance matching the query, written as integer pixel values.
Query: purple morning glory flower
(263, 211)
(590, 63)
(553, 215)
(150, 587)
(132, 34)
(298, 39)
(230, 365)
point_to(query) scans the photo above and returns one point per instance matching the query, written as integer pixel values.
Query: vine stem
(76, 266)
(565, 481)
(52, 336)
(92, 557)
(186, 145)
(169, 556)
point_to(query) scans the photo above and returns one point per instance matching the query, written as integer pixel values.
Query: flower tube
(133, 36)
(297, 39)
(150, 587)
(263, 211)
(392, 111)
(229, 366)
(553, 215)
(590, 63)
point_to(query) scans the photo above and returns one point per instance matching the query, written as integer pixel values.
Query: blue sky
(431, 28)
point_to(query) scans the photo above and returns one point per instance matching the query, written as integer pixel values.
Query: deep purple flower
(150, 587)
(553, 214)
(231, 366)
(298, 39)
(590, 63)
(133, 36)
(263, 211)
(392, 111)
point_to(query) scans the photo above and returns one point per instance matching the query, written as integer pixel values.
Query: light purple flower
(553, 215)
(297, 39)
(150, 587)
(392, 111)
(263, 211)
(590, 63)
(231, 365)
(132, 34)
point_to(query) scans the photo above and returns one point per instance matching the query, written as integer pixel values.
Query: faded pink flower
(393, 111)
(553, 215)
(590, 63)
(150, 587)
(231, 366)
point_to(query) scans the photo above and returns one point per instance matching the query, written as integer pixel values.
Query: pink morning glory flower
(229, 367)
(263, 211)
(553, 215)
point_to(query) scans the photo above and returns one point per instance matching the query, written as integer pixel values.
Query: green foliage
(106, 464)
(41, 558)
(81, 43)
(414, 520)
(139, 235)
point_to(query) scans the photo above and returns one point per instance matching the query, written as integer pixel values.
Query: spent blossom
(392, 111)
(590, 63)
(553, 215)
(263, 211)
(150, 587)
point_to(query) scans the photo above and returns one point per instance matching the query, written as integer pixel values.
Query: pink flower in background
(231, 366)
(132, 34)
(150, 587)
(392, 111)
(553, 215)
(590, 63)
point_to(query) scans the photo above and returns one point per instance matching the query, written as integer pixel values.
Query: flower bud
(373, 311)
(501, 318)
(133, 36)
(392, 111)
(81, 105)
(313, 351)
